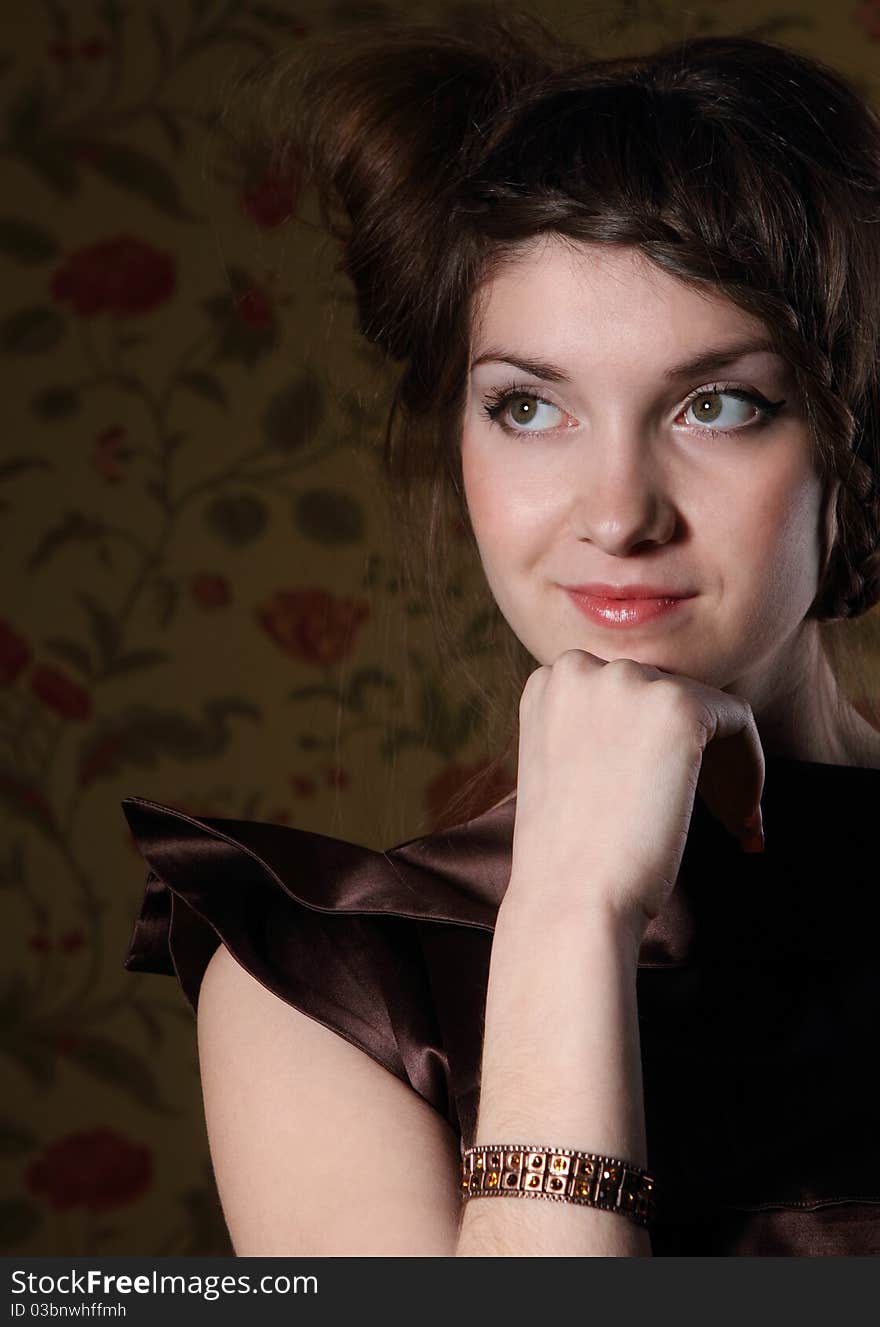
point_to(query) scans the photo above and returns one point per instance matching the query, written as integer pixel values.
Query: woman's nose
(622, 496)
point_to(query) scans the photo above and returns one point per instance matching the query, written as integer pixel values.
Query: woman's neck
(809, 716)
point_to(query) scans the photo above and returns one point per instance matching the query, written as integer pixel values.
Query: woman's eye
(520, 412)
(709, 410)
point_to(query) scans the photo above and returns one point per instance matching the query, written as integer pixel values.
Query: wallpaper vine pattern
(197, 579)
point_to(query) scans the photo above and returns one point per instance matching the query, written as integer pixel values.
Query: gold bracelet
(558, 1172)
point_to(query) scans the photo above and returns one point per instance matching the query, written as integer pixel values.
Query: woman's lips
(624, 612)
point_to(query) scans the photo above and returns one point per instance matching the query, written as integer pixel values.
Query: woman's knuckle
(572, 658)
(676, 705)
(623, 670)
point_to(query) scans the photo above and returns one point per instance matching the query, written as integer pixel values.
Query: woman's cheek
(493, 506)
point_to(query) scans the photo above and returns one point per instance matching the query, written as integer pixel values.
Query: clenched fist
(611, 755)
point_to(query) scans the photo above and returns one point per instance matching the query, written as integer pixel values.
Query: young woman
(635, 305)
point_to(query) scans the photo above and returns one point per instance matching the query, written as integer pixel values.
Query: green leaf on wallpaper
(166, 596)
(245, 342)
(112, 14)
(24, 797)
(158, 489)
(17, 465)
(55, 402)
(205, 385)
(135, 661)
(139, 173)
(171, 128)
(33, 140)
(362, 678)
(31, 331)
(13, 872)
(28, 112)
(329, 516)
(76, 527)
(103, 626)
(162, 38)
(128, 340)
(317, 690)
(17, 1034)
(25, 241)
(115, 1063)
(244, 317)
(142, 735)
(237, 520)
(393, 743)
(19, 1220)
(16, 1139)
(464, 724)
(148, 1017)
(434, 708)
(73, 653)
(55, 161)
(446, 729)
(293, 415)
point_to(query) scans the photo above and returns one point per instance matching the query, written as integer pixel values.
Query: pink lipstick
(626, 606)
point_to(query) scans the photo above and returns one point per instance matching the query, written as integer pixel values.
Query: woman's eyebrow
(717, 357)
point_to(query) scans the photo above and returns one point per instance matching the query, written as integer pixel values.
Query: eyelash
(495, 403)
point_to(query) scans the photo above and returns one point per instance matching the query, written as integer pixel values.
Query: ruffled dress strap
(326, 925)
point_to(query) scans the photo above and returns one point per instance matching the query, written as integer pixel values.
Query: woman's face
(609, 473)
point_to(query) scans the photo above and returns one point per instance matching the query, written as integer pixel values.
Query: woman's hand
(611, 754)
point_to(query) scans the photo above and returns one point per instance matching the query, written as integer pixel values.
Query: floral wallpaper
(202, 601)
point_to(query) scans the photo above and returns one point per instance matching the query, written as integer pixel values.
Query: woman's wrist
(592, 912)
(561, 1058)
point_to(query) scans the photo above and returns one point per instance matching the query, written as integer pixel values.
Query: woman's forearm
(561, 1067)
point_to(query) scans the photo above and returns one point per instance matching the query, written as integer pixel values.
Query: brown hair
(440, 152)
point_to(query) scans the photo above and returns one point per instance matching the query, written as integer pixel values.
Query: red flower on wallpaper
(26, 800)
(15, 654)
(111, 454)
(101, 757)
(867, 17)
(60, 693)
(210, 591)
(272, 197)
(313, 625)
(60, 51)
(94, 48)
(70, 941)
(121, 276)
(97, 1169)
(255, 308)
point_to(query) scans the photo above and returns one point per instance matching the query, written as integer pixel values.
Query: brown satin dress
(758, 988)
